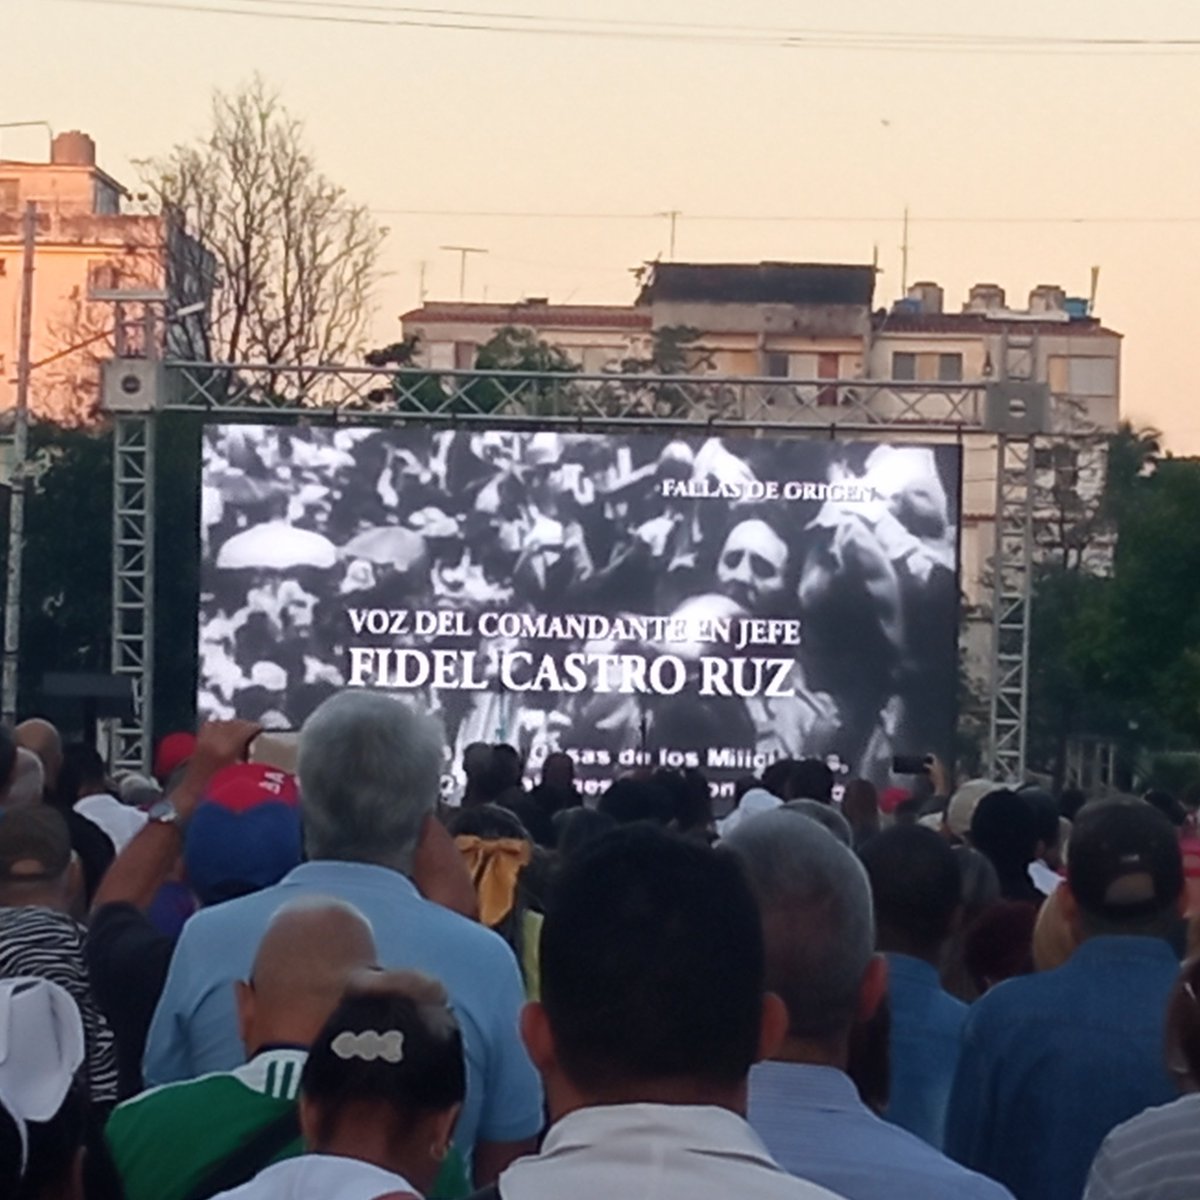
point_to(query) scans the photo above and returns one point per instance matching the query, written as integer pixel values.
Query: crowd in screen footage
(289, 970)
(630, 600)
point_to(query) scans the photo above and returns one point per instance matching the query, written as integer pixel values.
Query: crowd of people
(310, 980)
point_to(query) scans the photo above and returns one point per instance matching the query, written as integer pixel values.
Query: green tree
(520, 350)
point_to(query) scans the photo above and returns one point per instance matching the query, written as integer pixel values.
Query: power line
(346, 13)
(788, 218)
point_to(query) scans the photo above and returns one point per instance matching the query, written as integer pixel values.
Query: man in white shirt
(652, 1013)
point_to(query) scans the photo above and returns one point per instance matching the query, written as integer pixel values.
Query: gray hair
(370, 773)
(830, 818)
(818, 924)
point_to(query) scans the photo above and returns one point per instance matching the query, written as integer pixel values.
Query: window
(103, 276)
(776, 365)
(10, 195)
(904, 365)
(464, 355)
(596, 359)
(1079, 376)
(441, 356)
(950, 368)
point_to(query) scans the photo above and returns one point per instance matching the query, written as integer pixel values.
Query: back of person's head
(860, 806)
(917, 889)
(386, 1075)
(1004, 827)
(558, 771)
(815, 903)
(652, 973)
(82, 772)
(26, 781)
(980, 883)
(775, 777)
(692, 802)
(823, 814)
(36, 863)
(1045, 810)
(307, 956)
(488, 821)
(629, 800)
(41, 1050)
(742, 785)
(44, 740)
(1166, 804)
(502, 773)
(1070, 801)
(370, 774)
(576, 828)
(810, 779)
(999, 944)
(1125, 871)
(533, 817)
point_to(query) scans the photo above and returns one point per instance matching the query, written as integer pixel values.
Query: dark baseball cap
(1124, 861)
(35, 845)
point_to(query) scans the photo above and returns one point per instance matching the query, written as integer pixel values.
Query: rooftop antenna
(904, 256)
(462, 252)
(1095, 288)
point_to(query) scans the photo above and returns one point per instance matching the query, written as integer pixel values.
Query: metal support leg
(133, 580)
(1012, 580)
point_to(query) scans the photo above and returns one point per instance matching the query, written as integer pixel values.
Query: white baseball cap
(41, 1046)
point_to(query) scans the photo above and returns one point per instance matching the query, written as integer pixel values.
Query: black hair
(1070, 801)
(54, 1146)
(487, 821)
(810, 779)
(1004, 827)
(1044, 810)
(628, 800)
(1167, 805)
(8, 756)
(81, 765)
(430, 1076)
(576, 828)
(652, 963)
(775, 777)
(535, 819)
(915, 885)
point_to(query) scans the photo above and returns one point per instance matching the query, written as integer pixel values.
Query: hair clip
(369, 1045)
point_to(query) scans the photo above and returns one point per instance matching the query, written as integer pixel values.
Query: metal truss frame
(133, 580)
(1012, 582)
(396, 396)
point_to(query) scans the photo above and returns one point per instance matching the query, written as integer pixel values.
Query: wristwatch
(165, 813)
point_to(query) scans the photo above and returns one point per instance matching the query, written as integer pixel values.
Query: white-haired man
(818, 926)
(369, 771)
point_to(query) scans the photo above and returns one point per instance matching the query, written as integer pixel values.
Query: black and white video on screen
(634, 599)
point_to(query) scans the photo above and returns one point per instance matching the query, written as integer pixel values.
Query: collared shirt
(653, 1152)
(1052, 1062)
(815, 1126)
(1156, 1156)
(156, 1161)
(324, 1177)
(194, 1030)
(926, 1035)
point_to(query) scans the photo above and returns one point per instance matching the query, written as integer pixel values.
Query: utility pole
(20, 451)
(462, 252)
(904, 256)
(422, 267)
(673, 216)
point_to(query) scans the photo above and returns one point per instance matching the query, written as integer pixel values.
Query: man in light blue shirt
(815, 904)
(917, 890)
(369, 772)
(1052, 1062)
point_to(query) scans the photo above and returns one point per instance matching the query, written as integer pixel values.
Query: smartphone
(276, 748)
(910, 764)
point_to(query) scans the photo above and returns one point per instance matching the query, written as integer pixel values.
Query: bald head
(45, 741)
(310, 951)
(27, 783)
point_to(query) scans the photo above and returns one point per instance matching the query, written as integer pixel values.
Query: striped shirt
(46, 944)
(1154, 1156)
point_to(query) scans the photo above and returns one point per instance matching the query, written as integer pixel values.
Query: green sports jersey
(166, 1140)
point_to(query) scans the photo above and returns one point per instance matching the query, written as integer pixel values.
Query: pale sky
(411, 118)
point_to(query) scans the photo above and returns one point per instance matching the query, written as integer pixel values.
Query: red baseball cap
(173, 751)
